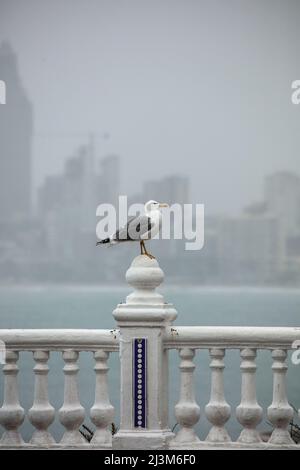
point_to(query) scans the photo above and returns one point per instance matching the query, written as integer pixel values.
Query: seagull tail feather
(102, 242)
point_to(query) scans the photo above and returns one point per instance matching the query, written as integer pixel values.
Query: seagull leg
(142, 249)
(146, 252)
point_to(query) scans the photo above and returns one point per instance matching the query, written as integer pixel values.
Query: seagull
(139, 228)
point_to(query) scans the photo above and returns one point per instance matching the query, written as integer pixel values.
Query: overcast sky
(196, 87)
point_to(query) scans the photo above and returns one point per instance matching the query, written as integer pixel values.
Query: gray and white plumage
(135, 229)
(138, 228)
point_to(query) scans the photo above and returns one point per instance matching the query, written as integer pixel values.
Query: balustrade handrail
(60, 339)
(231, 337)
(197, 337)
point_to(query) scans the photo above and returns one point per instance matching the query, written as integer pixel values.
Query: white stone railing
(71, 415)
(249, 413)
(143, 337)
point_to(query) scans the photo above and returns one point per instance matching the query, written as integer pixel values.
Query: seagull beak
(163, 204)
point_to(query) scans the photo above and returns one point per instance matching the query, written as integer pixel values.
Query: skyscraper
(171, 189)
(110, 179)
(282, 196)
(248, 249)
(16, 126)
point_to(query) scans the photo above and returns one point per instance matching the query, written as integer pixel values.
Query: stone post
(142, 320)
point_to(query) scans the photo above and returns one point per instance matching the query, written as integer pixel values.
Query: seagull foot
(149, 256)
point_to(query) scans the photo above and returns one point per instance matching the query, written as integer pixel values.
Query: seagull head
(152, 205)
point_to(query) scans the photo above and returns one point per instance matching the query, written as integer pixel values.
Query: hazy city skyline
(87, 121)
(206, 98)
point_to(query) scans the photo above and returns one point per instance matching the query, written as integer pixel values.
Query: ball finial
(144, 304)
(144, 275)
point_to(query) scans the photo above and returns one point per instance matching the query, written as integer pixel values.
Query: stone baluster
(102, 412)
(11, 413)
(249, 413)
(280, 412)
(187, 411)
(217, 410)
(71, 414)
(41, 414)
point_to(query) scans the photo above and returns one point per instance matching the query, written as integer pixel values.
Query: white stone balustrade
(71, 414)
(280, 412)
(42, 414)
(11, 413)
(187, 411)
(143, 339)
(249, 413)
(217, 410)
(70, 343)
(248, 340)
(102, 412)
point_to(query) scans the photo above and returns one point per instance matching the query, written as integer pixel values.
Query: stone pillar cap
(144, 303)
(144, 273)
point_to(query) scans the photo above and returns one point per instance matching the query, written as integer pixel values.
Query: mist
(194, 90)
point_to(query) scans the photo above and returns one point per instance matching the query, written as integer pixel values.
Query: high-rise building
(68, 202)
(109, 179)
(172, 189)
(282, 197)
(248, 249)
(50, 194)
(16, 127)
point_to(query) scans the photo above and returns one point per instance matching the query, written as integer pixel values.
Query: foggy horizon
(205, 97)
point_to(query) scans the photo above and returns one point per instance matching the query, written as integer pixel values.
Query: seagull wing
(134, 229)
